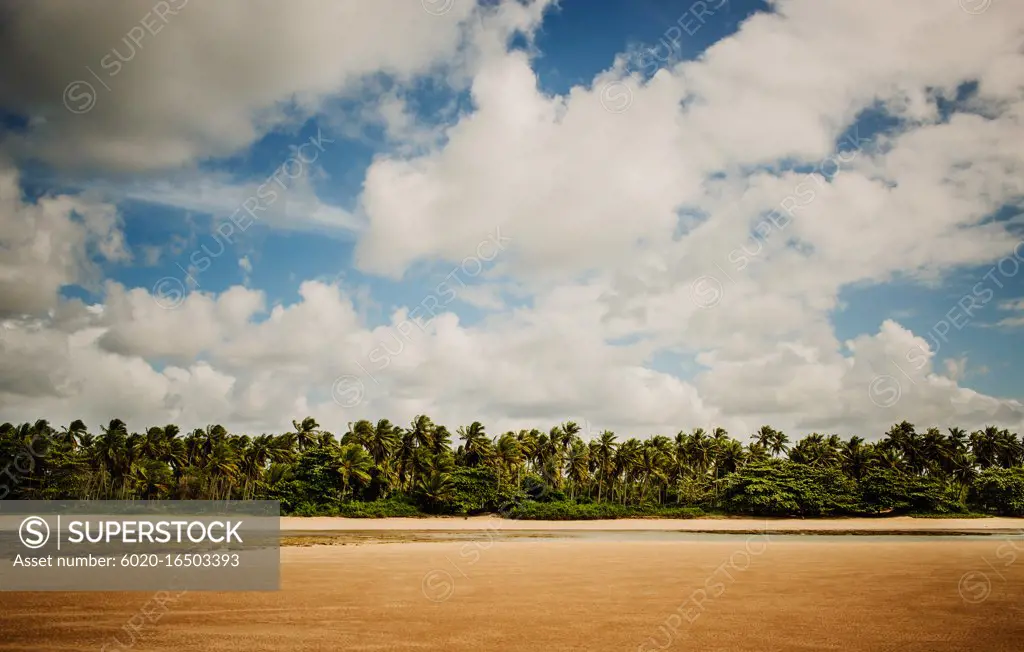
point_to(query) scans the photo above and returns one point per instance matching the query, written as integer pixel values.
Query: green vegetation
(572, 511)
(377, 470)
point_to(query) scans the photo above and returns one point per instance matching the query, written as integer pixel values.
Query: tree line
(383, 469)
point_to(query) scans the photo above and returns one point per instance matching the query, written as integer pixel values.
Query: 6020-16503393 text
(203, 560)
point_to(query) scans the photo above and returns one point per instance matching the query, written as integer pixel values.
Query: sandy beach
(738, 593)
(891, 524)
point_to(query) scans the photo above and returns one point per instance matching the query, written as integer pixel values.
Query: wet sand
(737, 593)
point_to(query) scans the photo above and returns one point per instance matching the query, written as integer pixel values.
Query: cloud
(138, 325)
(533, 368)
(1016, 321)
(578, 185)
(278, 200)
(142, 87)
(49, 243)
(609, 219)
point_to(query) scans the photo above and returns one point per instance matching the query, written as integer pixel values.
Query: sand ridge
(887, 524)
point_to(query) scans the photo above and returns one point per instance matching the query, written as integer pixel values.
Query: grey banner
(161, 545)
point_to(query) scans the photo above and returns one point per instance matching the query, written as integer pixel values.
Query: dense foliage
(381, 469)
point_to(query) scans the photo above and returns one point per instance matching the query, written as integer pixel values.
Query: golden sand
(739, 593)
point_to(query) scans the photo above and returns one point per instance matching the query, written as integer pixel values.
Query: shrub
(1000, 490)
(571, 511)
(474, 490)
(692, 492)
(887, 490)
(784, 488)
(391, 507)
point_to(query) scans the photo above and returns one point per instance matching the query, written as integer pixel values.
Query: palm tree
(562, 438)
(764, 436)
(577, 466)
(935, 450)
(701, 452)
(651, 462)
(360, 432)
(810, 450)
(442, 441)
(757, 453)
(112, 459)
(667, 464)
(604, 455)
(477, 448)
(958, 440)
(778, 445)
(507, 455)
(325, 439)
(436, 488)
(856, 457)
(962, 472)
(904, 438)
(422, 430)
(889, 458)
(528, 444)
(222, 469)
(731, 456)
(352, 464)
(680, 457)
(71, 434)
(403, 456)
(253, 461)
(1009, 451)
(627, 460)
(305, 432)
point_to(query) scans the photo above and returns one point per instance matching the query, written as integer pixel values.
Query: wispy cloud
(1016, 321)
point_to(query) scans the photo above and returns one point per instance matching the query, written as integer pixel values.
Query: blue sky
(401, 126)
